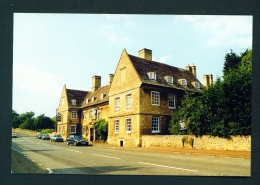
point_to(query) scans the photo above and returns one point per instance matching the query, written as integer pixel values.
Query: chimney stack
(193, 70)
(96, 83)
(110, 78)
(145, 54)
(188, 68)
(208, 80)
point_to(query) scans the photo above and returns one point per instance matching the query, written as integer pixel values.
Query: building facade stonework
(139, 99)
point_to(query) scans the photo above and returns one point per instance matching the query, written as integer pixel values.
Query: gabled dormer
(196, 85)
(169, 79)
(183, 82)
(151, 75)
(73, 102)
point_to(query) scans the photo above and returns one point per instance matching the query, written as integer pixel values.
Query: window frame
(128, 98)
(197, 85)
(72, 115)
(169, 79)
(116, 125)
(74, 127)
(117, 103)
(155, 98)
(170, 101)
(128, 125)
(152, 75)
(73, 102)
(183, 82)
(155, 120)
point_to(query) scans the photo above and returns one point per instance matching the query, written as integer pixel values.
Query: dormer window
(102, 96)
(169, 79)
(152, 75)
(183, 81)
(92, 99)
(73, 102)
(196, 85)
(87, 101)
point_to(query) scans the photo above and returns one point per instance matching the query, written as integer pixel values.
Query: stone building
(143, 95)
(139, 99)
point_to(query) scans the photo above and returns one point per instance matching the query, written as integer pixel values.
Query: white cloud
(164, 58)
(219, 30)
(33, 80)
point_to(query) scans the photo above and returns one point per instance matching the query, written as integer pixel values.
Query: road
(31, 155)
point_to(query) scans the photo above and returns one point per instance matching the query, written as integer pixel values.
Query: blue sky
(51, 50)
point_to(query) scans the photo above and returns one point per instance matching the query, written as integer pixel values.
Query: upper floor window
(92, 99)
(73, 114)
(87, 100)
(128, 125)
(152, 75)
(169, 79)
(183, 81)
(155, 98)
(117, 103)
(84, 115)
(128, 101)
(73, 102)
(171, 100)
(116, 125)
(102, 96)
(155, 124)
(197, 85)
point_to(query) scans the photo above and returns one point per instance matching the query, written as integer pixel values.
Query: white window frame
(87, 100)
(117, 103)
(183, 81)
(152, 75)
(93, 99)
(155, 124)
(155, 98)
(128, 98)
(116, 123)
(74, 114)
(197, 85)
(171, 100)
(73, 102)
(102, 96)
(169, 79)
(84, 115)
(73, 129)
(128, 125)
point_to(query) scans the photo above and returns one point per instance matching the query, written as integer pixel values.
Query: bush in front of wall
(187, 140)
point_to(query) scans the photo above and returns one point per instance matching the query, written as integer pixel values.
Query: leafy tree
(43, 122)
(26, 120)
(222, 109)
(101, 126)
(15, 119)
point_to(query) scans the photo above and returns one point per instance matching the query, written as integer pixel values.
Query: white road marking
(50, 171)
(74, 151)
(168, 167)
(106, 156)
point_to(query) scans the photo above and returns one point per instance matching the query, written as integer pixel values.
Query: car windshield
(58, 135)
(78, 137)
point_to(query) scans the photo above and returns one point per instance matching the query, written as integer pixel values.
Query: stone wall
(237, 143)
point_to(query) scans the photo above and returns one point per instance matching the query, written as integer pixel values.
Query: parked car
(76, 140)
(39, 135)
(14, 135)
(45, 136)
(56, 137)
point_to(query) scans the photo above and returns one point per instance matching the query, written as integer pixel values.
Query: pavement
(187, 151)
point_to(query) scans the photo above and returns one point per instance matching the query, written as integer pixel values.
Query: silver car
(45, 136)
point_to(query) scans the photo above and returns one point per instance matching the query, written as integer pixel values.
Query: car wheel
(67, 143)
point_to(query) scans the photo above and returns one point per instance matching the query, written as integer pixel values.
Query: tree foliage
(222, 109)
(28, 121)
(101, 126)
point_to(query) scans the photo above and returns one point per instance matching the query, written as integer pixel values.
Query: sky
(53, 50)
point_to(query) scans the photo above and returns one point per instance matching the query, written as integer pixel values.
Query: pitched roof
(76, 95)
(143, 67)
(97, 96)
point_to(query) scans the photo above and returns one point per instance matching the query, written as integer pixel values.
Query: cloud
(164, 58)
(33, 80)
(219, 30)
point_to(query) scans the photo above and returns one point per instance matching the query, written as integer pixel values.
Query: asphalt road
(31, 155)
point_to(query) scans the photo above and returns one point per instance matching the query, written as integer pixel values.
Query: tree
(43, 122)
(101, 126)
(15, 119)
(26, 120)
(224, 108)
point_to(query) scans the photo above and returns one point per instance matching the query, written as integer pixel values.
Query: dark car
(56, 137)
(39, 135)
(45, 137)
(76, 140)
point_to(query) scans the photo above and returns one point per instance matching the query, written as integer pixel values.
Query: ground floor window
(116, 125)
(128, 125)
(155, 124)
(73, 129)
